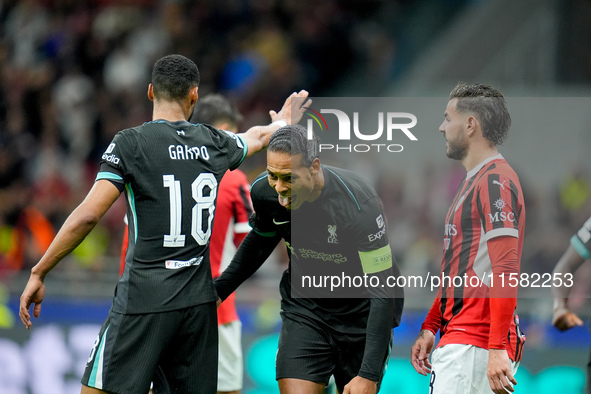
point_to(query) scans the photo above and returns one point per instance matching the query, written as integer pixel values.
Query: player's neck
(478, 154)
(318, 186)
(173, 112)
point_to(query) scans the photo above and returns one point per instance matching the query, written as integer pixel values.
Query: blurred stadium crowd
(73, 73)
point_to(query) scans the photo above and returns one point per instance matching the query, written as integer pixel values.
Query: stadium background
(73, 73)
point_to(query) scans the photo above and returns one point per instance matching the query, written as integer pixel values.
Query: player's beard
(457, 148)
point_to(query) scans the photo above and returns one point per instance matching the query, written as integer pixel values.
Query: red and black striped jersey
(230, 226)
(488, 204)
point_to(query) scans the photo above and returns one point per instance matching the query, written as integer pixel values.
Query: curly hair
(293, 139)
(173, 76)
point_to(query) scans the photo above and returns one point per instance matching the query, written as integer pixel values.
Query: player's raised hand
(565, 320)
(33, 294)
(292, 113)
(420, 351)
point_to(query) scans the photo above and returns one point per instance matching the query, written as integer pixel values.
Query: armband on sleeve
(376, 260)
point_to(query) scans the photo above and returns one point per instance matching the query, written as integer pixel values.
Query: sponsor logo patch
(176, 264)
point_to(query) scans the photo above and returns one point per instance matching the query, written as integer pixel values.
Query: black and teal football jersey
(170, 172)
(340, 235)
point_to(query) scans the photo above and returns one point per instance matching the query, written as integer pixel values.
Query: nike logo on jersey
(280, 223)
(502, 185)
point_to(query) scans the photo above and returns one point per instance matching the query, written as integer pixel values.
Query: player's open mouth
(284, 200)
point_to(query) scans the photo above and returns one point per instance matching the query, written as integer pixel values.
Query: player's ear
(150, 92)
(315, 167)
(194, 94)
(471, 125)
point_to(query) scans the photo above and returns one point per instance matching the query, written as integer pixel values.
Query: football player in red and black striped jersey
(481, 343)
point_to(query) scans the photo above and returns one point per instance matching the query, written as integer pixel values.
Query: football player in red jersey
(481, 343)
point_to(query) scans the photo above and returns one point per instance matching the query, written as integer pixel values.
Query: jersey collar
(178, 123)
(475, 170)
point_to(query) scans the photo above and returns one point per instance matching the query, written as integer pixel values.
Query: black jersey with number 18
(170, 172)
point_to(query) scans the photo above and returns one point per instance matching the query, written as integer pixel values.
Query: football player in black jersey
(332, 222)
(163, 313)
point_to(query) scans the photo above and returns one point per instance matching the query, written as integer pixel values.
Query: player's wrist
(559, 307)
(280, 123)
(38, 273)
(370, 377)
(427, 330)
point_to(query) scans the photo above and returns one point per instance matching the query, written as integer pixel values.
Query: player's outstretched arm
(252, 253)
(257, 137)
(80, 222)
(563, 318)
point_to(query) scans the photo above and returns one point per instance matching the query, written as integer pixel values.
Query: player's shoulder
(206, 128)
(350, 185)
(125, 138)
(218, 134)
(262, 193)
(501, 169)
(129, 132)
(146, 129)
(260, 186)
(499, 177)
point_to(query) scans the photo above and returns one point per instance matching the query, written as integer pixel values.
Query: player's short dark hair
(173, 76)
(293, 139)
(215, 109)
(490, 107)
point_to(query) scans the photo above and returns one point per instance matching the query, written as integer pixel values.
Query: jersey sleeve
(386, 303)
(433, 319)
(581, 241)
(113, 165)
(376, 256)
(372, 238)
(233, 145)
(499, 206)
(503, 299)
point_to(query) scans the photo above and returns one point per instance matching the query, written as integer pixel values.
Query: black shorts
(311, 351)
(183, 344)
